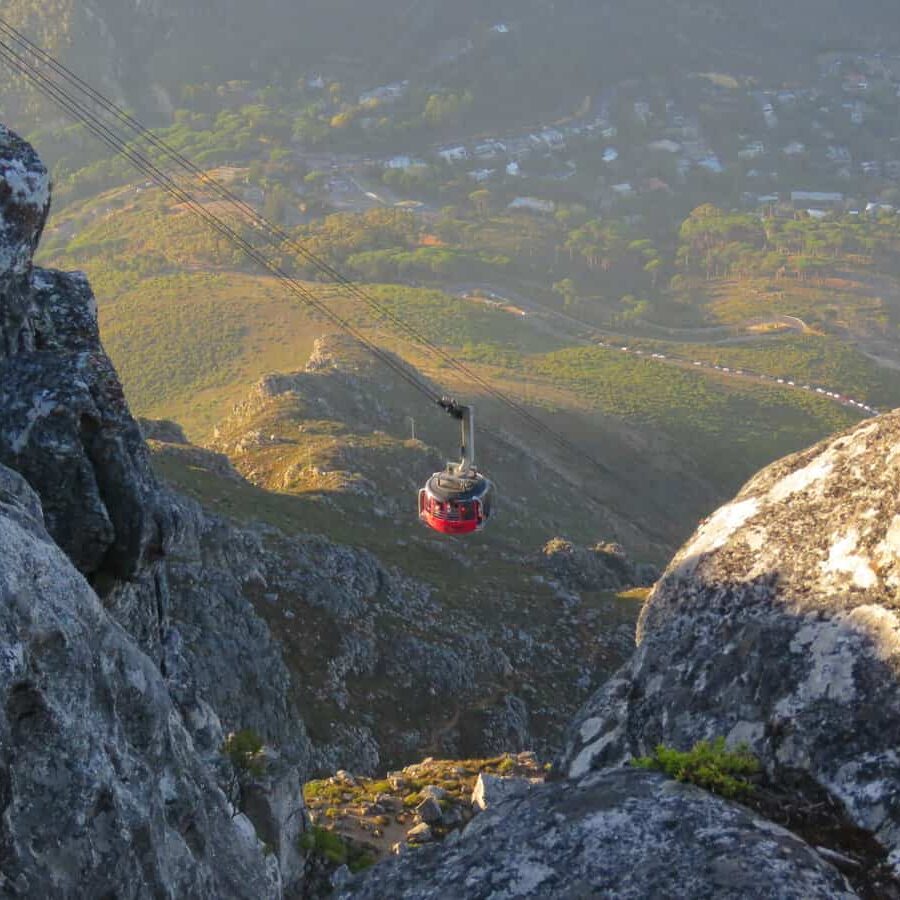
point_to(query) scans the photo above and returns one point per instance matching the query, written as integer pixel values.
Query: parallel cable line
(164, 181)
(279, 238)
(49, 88)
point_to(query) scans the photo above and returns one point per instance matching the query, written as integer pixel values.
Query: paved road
(570, 328)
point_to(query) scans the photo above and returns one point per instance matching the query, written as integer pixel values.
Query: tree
(566, 289)
(481, 200)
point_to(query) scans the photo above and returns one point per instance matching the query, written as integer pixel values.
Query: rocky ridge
(112, 725)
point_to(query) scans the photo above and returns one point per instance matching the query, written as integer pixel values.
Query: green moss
(709, 765)
(374, 788)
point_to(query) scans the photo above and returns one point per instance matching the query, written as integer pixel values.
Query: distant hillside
(552, 49)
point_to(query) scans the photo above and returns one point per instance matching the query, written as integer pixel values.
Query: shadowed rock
(64, 423)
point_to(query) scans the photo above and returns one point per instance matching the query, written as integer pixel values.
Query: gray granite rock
(778, 624)
(102, 792)
(127, 775)
(626, 834)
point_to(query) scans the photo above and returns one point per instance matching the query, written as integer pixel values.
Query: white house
(533, 204)
(712, 164)
(388, 93)
(403, 163)
(822, 200)
(454, 154)
(794, 149)
(752, 150)
(553, 138)
(665, 146)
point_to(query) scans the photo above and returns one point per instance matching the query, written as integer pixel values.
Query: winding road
(562, 325)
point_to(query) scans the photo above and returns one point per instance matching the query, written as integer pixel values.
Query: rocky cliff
(117, 693)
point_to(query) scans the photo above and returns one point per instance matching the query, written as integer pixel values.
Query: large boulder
(778, 624)
(102, 790)
(625, 834)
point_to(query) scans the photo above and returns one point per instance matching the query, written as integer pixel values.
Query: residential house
(388, 93)
(642, 111)
(490, 149)
(752, 150)
(453, 154)
(664, 146)
(817, 200)
(839, 154)
(871, 168)
(712, 164)
(403, 163)
(533, 204)
(553, 138)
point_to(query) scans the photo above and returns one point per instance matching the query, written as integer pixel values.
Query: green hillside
(191, 333)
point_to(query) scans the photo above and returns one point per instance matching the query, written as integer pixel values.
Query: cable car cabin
(459, 499)
(455, 504)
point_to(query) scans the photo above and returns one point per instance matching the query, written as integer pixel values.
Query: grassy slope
(190, 333)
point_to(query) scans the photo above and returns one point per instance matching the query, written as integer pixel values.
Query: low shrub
(708, 764)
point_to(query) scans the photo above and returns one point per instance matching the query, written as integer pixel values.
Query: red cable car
(459, 499)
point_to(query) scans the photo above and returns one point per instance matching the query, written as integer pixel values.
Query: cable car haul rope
(455, 501)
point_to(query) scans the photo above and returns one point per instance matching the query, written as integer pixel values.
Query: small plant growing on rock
(336, 851)
(708, 764)
(245, 751)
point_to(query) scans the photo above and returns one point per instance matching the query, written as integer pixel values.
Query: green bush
(334, 849)
(710, 765)
(244, 750)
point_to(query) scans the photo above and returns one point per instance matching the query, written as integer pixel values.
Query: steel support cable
(166, 183)
(278, 237)
(103, 132)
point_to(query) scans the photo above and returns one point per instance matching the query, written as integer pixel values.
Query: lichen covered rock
(624, 834)
(111, 729)
(102, 791)
(778, 624)
(64, 423)
(24, 203)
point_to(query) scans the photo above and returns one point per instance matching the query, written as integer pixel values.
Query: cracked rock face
(64, 423)
(778, 624)
(113, 715)
(24, 203)
(628, 834)
(102, 792)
